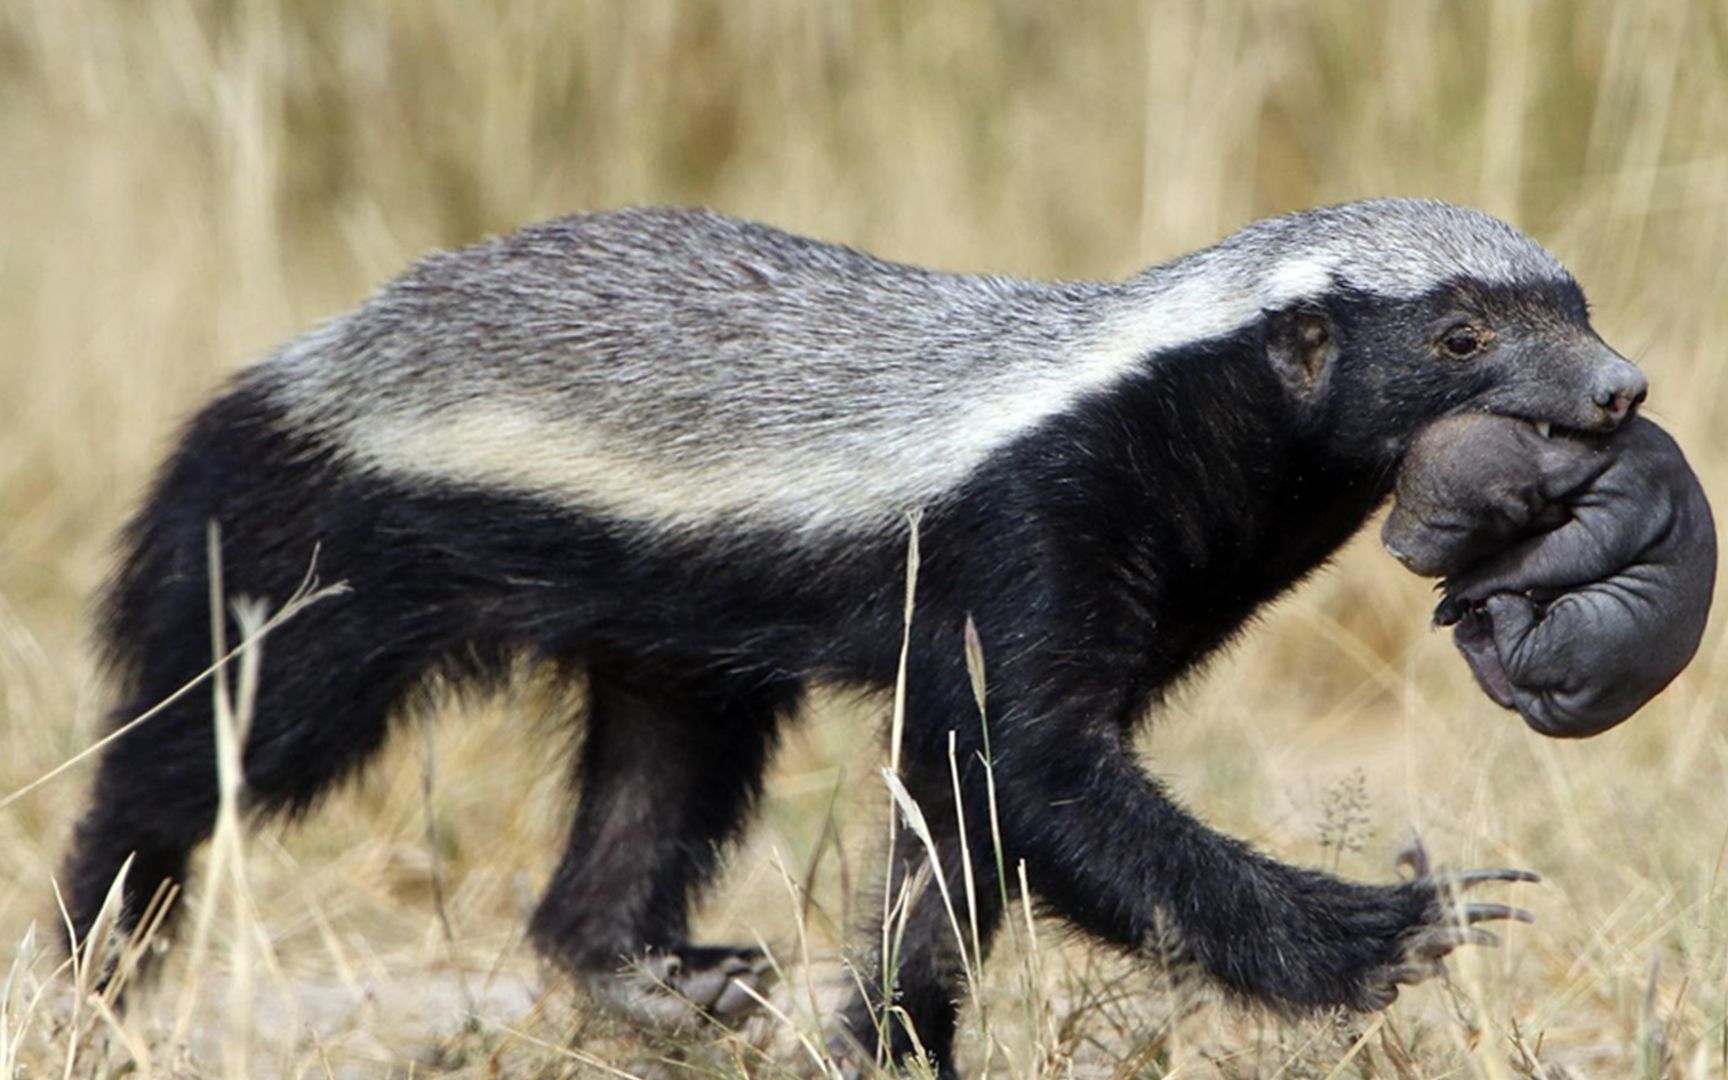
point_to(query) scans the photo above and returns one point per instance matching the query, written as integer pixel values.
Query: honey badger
(676, 454)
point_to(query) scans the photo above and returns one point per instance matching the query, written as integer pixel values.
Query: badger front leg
(1105, 848)
(1108, 850)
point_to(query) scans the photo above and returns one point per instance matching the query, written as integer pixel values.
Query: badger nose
(1620, 405)
(1619, 390)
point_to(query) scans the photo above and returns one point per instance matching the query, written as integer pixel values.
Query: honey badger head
(1383, 316)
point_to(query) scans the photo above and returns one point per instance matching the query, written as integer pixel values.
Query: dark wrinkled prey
(1578, 569)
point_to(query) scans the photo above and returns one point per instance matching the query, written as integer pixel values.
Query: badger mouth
(1550, 429)
(1607, 422)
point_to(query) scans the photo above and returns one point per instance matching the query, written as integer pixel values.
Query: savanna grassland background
(184, 183)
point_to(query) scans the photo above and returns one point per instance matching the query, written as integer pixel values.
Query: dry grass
(186, 183)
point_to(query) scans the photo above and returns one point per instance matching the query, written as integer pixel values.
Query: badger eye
(1462, 341)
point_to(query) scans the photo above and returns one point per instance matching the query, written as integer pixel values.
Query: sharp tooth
(1543, 427)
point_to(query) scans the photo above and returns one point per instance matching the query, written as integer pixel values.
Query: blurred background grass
(187, 182)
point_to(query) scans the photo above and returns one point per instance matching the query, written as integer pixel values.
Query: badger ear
(1301, 343)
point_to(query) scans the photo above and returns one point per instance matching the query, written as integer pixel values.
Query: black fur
(1103, 555)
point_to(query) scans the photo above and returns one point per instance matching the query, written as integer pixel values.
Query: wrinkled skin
(1578, 570)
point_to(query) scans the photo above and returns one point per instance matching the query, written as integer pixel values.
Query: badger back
(686, 369)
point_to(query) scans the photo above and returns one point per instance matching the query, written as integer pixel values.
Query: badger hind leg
(330, 677)
(318, 717)
(668, 771)
(154, 803)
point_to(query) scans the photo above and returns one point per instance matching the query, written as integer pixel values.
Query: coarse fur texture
(1579, 570)
(675, 452)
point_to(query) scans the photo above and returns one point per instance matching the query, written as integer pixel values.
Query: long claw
(1435, 943)
(1475, 913)
(1464, 879)
(1478, 936)
(1416, 858)
(1411, 974)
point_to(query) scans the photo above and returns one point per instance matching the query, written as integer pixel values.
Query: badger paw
(1448, 922)
(688, 984)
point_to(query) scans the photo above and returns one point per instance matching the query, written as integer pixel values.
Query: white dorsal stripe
(843, 481)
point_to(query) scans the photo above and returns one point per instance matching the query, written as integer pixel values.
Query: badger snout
(1619, 388)
(1577, 383)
